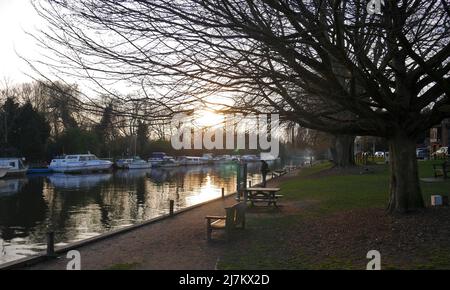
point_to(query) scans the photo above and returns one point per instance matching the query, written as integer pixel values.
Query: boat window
(82, 158)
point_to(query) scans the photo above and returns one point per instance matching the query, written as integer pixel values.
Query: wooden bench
(235, 217)
(441, 169)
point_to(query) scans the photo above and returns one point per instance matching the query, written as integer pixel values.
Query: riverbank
(328, 219)
(177, 242)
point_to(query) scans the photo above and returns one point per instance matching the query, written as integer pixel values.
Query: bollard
(50, 244)
(171, 204)
(223, 192)
(249, 183)
(445, 200)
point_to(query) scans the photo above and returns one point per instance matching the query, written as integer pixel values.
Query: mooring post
(50, 244)
(223, 192)
(171, 204)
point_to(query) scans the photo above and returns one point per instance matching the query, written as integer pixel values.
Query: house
(440, 135)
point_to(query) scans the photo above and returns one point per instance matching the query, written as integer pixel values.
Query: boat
(79, 163)
(156, 158)
(223, 159)
(138, 163)
(123, 163)
(250, 158)
(191, 160)
(3, 170)
(168, 161)
(16, 166)
(207, 158)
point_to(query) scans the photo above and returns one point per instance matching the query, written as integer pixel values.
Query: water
(77, 207)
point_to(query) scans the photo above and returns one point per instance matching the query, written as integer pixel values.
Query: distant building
(440, 135)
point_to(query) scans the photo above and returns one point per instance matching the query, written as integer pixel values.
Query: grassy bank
(308, 234)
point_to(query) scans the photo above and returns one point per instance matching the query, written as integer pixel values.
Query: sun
(208, 118)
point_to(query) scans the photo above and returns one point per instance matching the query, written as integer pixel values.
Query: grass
(330, 194)
(308, 171)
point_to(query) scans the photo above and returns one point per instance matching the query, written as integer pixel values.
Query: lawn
(276, 239)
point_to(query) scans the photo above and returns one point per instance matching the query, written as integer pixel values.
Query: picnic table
(262, 194)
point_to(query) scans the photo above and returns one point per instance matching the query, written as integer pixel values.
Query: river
(77, 207)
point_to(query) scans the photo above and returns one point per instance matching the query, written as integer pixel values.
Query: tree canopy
(328, 65)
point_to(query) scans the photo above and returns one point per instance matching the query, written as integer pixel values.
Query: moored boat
(168, 162)
(79, 163)
(16, 166)
(191, 160)
(156, 158)
(3, 170)
(138, 163)
(123, 163)
(223, 159)
(250, 158)
(207, 158)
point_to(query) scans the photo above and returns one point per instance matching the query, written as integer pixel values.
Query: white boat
(207, 158)
(250, 158)
(138, 163)
(191, 160)
(223, 159)
(123, 163)
(156, 158)
(79, 163)
(168, 161)
(3, 170)
(16, 166)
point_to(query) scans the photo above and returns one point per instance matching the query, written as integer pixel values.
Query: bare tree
(325, 64)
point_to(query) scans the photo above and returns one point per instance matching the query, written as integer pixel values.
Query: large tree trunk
(405, 193)
(342, 151)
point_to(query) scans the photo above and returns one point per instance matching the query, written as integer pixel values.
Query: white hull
(17, 172)
(81, 168)
(3, 171)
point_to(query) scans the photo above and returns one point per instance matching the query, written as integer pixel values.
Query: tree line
(41, 120)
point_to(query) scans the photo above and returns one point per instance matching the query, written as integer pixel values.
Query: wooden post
(445, 200)
(223, 192)
(50, 244)
(171, 204)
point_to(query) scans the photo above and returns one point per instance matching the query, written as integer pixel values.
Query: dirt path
(173, 243)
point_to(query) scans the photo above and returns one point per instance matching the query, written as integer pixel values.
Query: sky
(16, 17)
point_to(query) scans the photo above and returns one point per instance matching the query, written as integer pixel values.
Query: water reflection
(76, 182)
(11, 186)
(81, 206)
